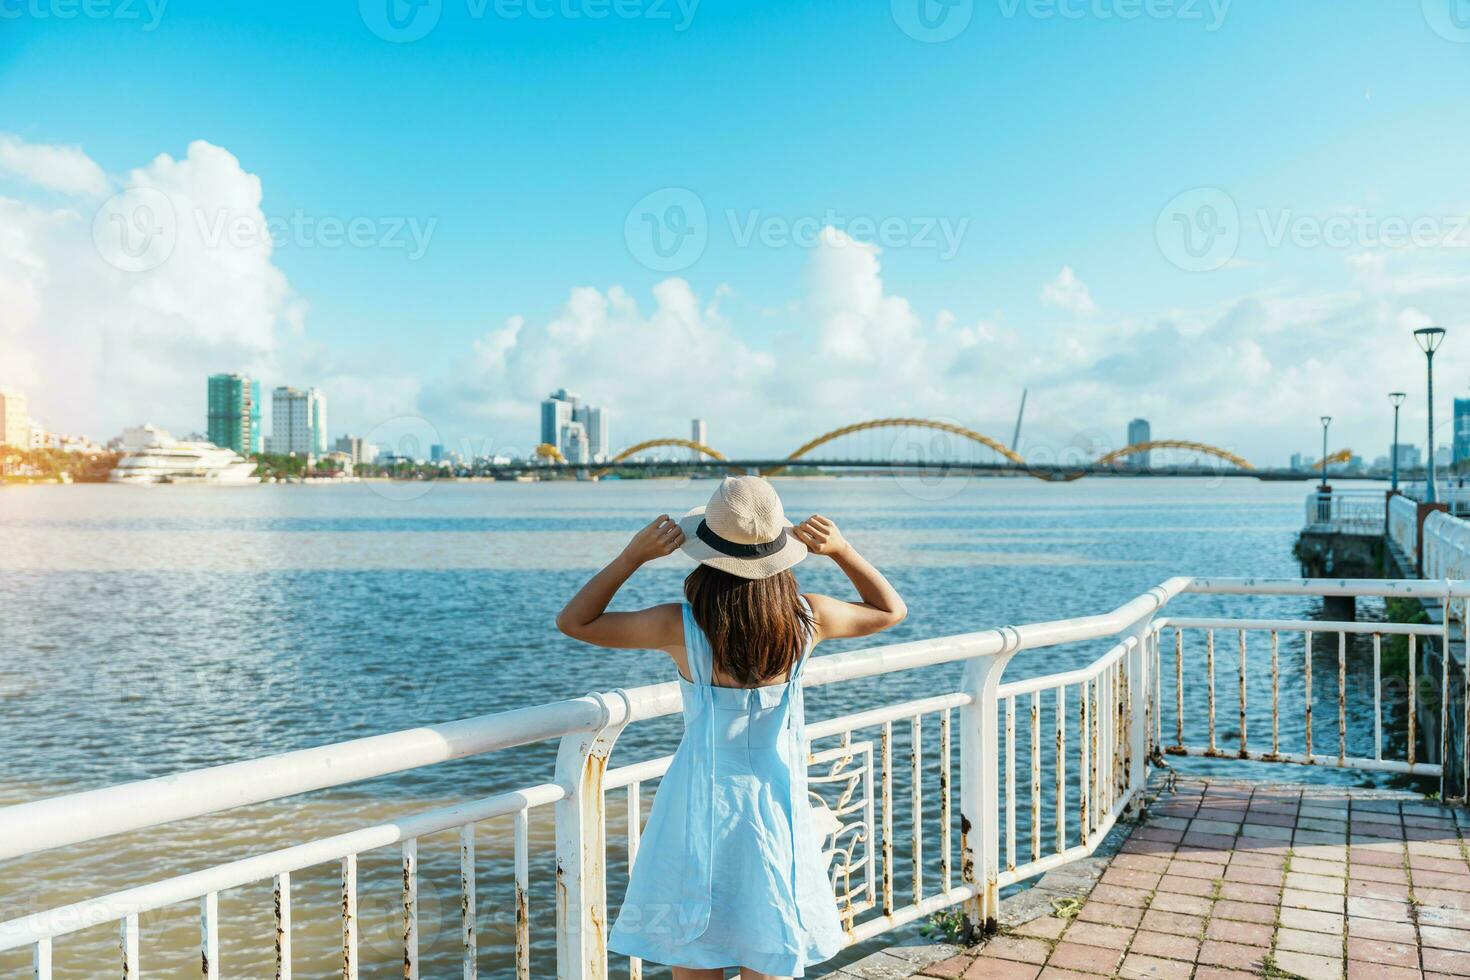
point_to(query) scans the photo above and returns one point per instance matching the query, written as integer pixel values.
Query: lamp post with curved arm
(1397, 398)
(1429, 339)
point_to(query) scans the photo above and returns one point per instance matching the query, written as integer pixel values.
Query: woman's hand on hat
(821, 536)
(661, 537)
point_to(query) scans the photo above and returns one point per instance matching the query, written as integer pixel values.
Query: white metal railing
(1047, 764)
(1403, 525)
(1451, 493)
(1346, 511)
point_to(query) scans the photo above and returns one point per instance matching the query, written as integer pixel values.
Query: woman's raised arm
(586, 617)
(881, 607)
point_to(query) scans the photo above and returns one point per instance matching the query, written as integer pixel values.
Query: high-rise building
(1408, 455)
(556, 412)
(562, 409)
(595, 419)
(15, 420)
(574, 443)
(1138, 431)
(698, 432)
(1461, 439)
(234, 413)
(436, 453)
(360, 451)
(298, 422)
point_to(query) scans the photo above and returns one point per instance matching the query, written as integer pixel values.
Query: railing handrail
(1120, 704)
(93, 814)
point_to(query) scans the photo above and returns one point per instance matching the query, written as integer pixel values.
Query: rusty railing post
(980, 778)
(581, 844)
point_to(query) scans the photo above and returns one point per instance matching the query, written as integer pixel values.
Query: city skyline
(931, 270)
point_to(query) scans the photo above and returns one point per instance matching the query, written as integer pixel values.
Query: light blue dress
(730, 871)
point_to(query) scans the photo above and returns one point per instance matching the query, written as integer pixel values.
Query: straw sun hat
(743, 530)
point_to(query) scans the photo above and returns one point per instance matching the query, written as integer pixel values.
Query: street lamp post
(1429, 339)
(1326, 421)
(1397, 398)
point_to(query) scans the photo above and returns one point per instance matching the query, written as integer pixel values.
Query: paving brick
(1131, 879)
(1312, 866)
(1096, 934)
(1314, 883)
(1378, 951)
(1194, 869)
(1239, 891)
(1019, 948)
(1448, 961)
(1442, 938)
(1057, 973)
(1373, 908)
(1176, 923)
(1262, 859)
(1245, 933)
(1310, 966)
(1372, 872)
(1186, 886)
(1294, 898)
(1077, 956)
(1246, 911)
(1362, 970)
(1117, 895)
(1313, 921)
(1042, 927)
(1442, 879)
(1235, 956)
(1165, 944)
(1301, 941)
(991, 969)
(1443, 898)
(949, 969)
(1188, 904)
(1378, 889)
(1220, 973)
(1137, 966)
(1389, 932)
(1253, 876)
(1110, 915)
(1140, 862)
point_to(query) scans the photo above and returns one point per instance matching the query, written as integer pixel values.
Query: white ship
(152, 455)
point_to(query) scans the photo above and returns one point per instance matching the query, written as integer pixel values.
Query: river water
(155, 629)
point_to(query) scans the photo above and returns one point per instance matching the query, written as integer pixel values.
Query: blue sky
(1044, 137)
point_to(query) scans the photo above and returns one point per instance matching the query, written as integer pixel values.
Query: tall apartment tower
(233, 415)
(298, 422)
(1138, 431)
(556, 413)
(698, 432)
(1460, 442)
(15, 420)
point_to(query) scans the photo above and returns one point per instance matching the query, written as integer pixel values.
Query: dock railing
(1346, 511)
(1047, 765)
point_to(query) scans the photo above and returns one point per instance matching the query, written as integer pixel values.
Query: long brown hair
(757, 628)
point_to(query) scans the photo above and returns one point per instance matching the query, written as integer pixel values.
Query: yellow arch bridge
(1107, 463)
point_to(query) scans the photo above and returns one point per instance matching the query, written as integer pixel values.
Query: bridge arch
(1199, 447)
(633, 450)
(847, 430)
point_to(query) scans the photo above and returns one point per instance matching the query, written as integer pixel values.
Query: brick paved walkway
(1227, 881)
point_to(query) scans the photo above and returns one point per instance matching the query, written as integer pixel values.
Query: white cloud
(1069, 293)
(59, 168)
